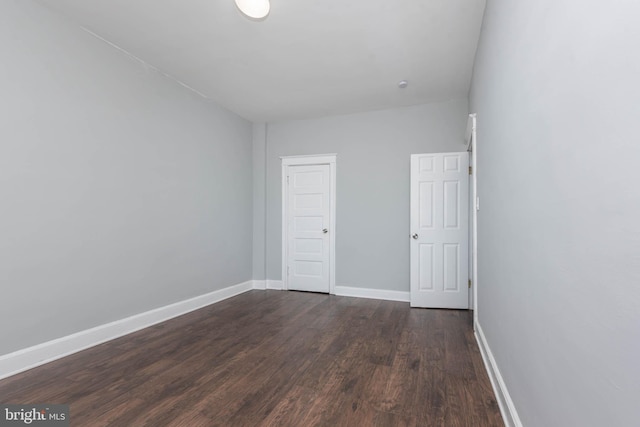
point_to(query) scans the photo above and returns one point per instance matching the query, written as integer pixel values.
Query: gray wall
(120, 191)
(557, 91)
(372, 236)
(259, 203)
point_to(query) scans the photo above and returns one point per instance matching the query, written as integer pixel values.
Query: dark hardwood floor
(271, 358)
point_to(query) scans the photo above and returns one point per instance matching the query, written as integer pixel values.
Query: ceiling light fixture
(254, 9)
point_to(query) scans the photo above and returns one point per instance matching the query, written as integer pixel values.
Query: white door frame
(313, 159)
(474, 207)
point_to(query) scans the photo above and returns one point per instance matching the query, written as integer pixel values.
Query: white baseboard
(275, 284)
(348, 291)
(259, 284)
(507, 408)
(22, 360)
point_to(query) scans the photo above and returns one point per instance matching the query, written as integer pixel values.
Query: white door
(439, 230)
(308, 223)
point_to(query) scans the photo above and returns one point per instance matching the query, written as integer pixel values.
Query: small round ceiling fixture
(254, 9)
(402, 84)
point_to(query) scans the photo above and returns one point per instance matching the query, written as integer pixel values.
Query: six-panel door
(439, 230)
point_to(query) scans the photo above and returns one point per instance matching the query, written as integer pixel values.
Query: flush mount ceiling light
(254, 9)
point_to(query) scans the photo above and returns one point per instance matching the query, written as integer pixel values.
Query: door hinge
(287, 179)
(288, 274)
(469, 283)
(470, 170)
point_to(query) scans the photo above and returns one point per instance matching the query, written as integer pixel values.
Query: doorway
(308, 223)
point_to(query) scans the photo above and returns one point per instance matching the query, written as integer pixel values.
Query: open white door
(439, 230)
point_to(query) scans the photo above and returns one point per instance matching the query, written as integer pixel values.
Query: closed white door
(439, 230)
(308, 222)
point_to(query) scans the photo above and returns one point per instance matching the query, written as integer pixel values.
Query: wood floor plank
(397, 394)
(270, 358)
(430, 402)
(292, 408)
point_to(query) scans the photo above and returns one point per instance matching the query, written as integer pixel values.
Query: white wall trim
(507, 408)
(309, 159)
(348, 291)
(277, 285)
(31, 357)
(313, 159)
(473, 207)
(471, 124)
(259, 284)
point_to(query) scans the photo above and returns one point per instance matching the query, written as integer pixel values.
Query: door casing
(474, 207)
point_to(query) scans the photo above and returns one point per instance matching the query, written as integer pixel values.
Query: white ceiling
(308, 58)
